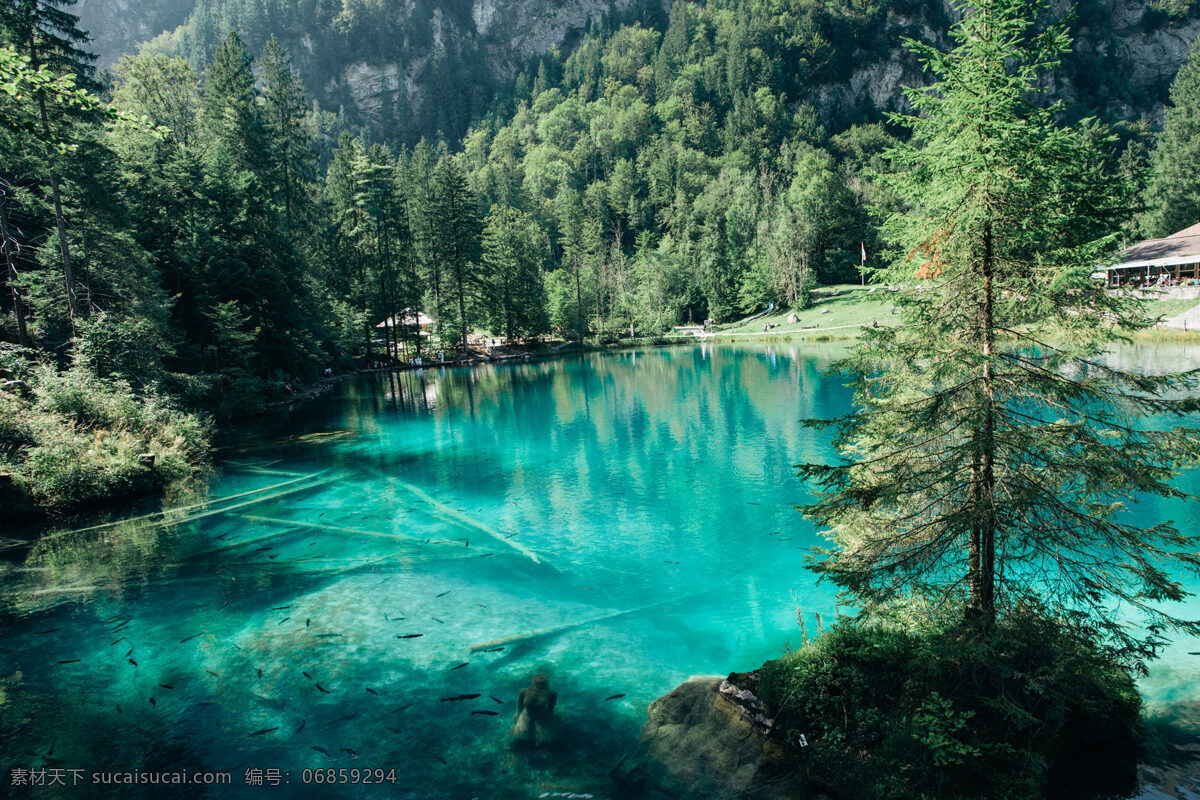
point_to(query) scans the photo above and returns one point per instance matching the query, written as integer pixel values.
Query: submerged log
(204, 504)
(538, 634)
(325, 526)
(453, 515)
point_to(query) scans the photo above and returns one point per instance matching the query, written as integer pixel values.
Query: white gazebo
(405, 319)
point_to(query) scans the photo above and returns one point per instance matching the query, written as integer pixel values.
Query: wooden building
(1171, 261)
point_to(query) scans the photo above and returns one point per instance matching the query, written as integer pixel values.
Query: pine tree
(992, 448)
(47, 35)
(456, 239)
(1173, 194)
(284, 114)
(513, 252)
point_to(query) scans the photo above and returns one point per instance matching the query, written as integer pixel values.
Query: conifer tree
(1173, 194)
(456, 239)
(513, 252)
(47, 35)
(993, 449)
(284, 115)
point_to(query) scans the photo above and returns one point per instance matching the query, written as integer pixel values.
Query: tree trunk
(462, 313)
(983, 527)
(59, 220)
(987, 533)
(18, 301)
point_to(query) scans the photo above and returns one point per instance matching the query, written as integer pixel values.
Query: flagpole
(862, 269)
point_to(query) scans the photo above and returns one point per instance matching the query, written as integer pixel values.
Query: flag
(863, 245)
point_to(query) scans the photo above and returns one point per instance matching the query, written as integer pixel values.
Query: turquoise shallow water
(638, 506)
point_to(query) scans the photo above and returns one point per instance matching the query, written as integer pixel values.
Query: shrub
(1035, 710)
(80, 439)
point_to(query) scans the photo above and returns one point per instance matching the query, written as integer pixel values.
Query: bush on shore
(1037, 710)
(71, 438)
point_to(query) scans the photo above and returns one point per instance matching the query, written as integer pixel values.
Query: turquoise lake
(630, 517)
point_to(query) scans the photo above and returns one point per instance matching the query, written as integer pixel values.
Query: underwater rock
(706, 739)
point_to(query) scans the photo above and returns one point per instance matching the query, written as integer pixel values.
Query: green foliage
(80, 439)
(892, 711)
(513, 252)
(991, 447)
(1173, 192)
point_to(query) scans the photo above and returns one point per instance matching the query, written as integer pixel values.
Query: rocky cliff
(118, 26)
(413, 67)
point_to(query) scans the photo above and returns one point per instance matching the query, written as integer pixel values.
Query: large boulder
(706, 739)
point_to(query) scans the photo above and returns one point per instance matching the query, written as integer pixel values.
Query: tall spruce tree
(993, 449)
(1173, 193)
(294, 162)
(513, 253)
(455, 222)
(48, 36)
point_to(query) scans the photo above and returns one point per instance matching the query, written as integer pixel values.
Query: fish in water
(323, 689)
(327, 635)
(307, 620)
(281, 608)
(131, 661)
(486, 713)
(443, 594)
(127, 655)
(1194, 654)
(349, 751)
(669, 562)
(439, 621)
(321, 750)
(302, 724)
(118, 705)
(614, 697)
(459, 697)
(193, 636)
(460, 666)
(70, 661)
(408, 635)
(497, 699)
(398, 709)
(265, 730)
(372, 691)
(153, 702)
(393, 730)
(110, 644)
(285, 619)
(481, 605)
(346, 718)
(51, 630)
(493, 650)
(305, 674)
(224, 604)
(167, 686)
(439, 758)
(210, 672)
(259, 671)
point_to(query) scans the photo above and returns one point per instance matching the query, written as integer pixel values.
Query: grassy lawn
(1171, 307)
(853, 306)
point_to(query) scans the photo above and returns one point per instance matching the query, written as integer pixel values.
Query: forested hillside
(209, 236)
(412, 69)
